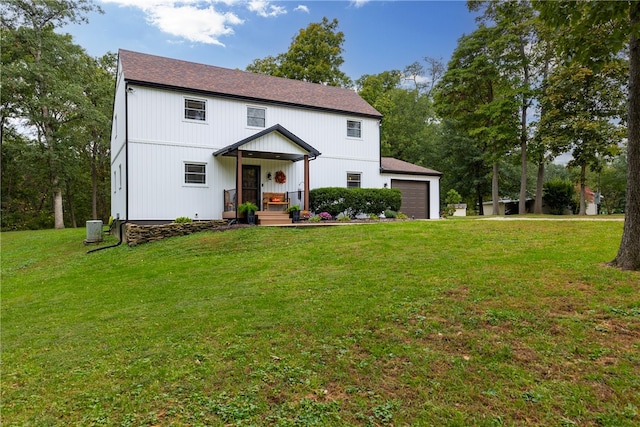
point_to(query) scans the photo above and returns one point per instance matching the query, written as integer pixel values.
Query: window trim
(186, 173)
(264, 125)
(359, 128)
(194, 119)
(358, 181)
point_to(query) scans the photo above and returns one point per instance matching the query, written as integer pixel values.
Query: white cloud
(265, 9)
(196, 25)
(301, 8)
(359, 3)
(194, 20)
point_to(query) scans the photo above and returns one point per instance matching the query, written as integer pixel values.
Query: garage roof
(392, 165)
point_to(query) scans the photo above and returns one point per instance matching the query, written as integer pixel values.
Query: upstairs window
(195, 109)
(256, 117)
(353, 180)
(354, 129)
(195, 173)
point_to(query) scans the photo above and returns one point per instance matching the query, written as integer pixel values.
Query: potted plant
(294, 212)
(249, 209)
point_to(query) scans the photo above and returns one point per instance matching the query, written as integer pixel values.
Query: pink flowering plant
(325, 216)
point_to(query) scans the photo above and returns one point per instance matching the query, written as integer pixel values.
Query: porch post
(306, 182)
(238, 180)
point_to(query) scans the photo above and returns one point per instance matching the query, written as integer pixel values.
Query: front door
(251, 184)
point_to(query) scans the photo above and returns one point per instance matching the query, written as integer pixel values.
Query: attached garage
(420, 187)
(415, 197)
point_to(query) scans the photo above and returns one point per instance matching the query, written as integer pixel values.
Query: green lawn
(456, 322)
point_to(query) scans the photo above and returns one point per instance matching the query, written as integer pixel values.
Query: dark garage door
(415, 198)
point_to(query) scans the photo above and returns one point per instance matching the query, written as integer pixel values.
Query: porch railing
(230, 200)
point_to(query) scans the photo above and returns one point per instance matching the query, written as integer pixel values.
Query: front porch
(275, 146)
(270, 212)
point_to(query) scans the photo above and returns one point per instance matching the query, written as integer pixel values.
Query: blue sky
(379, 35)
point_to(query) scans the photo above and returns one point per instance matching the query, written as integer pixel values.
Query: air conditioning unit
(94, 231)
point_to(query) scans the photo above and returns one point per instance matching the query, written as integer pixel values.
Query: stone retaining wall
(135, 234)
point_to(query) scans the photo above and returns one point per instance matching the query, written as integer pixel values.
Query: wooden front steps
(273, 218)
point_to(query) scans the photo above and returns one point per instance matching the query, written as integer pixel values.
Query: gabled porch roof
(232, 150)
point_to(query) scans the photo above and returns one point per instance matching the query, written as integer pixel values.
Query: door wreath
(281, 178)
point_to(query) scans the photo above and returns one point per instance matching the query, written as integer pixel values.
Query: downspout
(111, 246)
(380, 144)
(126, 151)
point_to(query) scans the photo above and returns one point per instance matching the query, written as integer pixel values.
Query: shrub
(453, 197)
(325, 216)
(388, 213)
(182, 220)
(558, 194)
(354, 201)
(401, 216)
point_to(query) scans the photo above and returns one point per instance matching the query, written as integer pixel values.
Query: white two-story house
(196, 140)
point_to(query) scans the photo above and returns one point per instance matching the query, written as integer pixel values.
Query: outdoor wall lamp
(269, 176)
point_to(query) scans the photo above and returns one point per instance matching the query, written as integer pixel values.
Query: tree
(515, 42)
(475, 95)
(44, 66)
(611, 183)
(93, 131)
(558, 194)
(314, 55)
(621, 20)
(582, 109)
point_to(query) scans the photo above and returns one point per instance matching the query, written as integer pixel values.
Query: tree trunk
(583, 202)
(522, 203)
(57, 205)
(539, 186)
(480, 201)
(494, 190)
(628, 257)
(72, 213)
(94, 191)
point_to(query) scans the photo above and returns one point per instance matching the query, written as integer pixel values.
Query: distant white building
(193, 140)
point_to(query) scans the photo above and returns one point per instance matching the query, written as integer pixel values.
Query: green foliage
(476, 97)
(453, 197)
(558, 195)
(408, 125)
(354, 201)
(315, 55)
(612, 182)
(293, 208)
(183, 220)
(247, 207)
(63, 97)
(315, 218)
(388, 213)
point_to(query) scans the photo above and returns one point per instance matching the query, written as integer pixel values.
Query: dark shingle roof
(172, 73)
(391, 165)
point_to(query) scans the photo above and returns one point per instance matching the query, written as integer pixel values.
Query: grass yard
(444, 323)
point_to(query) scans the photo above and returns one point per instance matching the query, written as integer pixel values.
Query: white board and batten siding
(161, 141)
(118, 154)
